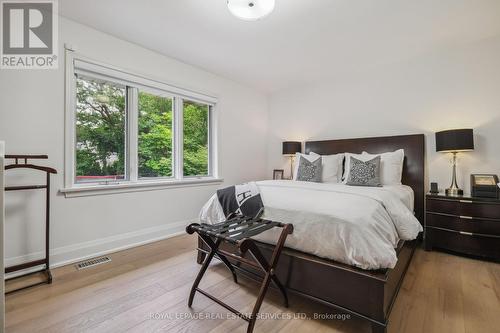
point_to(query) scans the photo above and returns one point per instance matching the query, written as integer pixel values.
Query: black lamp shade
(455, 140)
(291, 147)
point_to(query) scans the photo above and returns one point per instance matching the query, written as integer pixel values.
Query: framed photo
(278, 174)
(490, 180)
(484, 185)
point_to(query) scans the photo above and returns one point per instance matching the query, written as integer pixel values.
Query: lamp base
(455, 192)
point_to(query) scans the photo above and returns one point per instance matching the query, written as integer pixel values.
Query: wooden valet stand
(238, 231)
(18, 164)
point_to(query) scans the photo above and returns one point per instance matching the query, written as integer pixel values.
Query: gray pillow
(364, 173)
(309, 171)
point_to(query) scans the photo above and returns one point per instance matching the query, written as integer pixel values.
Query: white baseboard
(74, 253)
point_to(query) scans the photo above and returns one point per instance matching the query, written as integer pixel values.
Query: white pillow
(391, 166)
(347, 165)
(331, 168)
(310, 157)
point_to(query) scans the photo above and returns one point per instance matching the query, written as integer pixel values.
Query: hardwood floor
(145, 289)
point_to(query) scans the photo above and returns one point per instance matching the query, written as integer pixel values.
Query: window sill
(91, 190)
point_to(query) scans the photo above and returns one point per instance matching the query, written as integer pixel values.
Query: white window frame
(76, 63)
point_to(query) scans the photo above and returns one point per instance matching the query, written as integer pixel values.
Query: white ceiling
(302, 41)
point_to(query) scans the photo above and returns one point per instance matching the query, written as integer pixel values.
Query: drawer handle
(463, 217)
(466, 201)
(466, 233)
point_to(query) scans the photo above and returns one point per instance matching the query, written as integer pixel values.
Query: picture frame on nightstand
(484, 185)
(434, 188)
(278, 174)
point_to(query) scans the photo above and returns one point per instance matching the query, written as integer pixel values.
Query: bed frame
(367, 294)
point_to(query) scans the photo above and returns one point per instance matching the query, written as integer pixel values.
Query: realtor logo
(29, 34)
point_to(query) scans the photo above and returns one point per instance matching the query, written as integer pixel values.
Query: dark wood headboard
(413, 166)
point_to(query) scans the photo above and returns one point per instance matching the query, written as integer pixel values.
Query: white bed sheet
(359, 226)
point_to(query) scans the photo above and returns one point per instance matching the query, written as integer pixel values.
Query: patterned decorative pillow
(309, 171)
(364, 173)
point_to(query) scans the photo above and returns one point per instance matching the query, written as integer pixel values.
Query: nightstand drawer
(472, 244)
(463, 223)
(464, 208)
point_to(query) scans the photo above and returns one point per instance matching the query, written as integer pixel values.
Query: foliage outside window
(195, 138)
(100, 130)
(109, 149)
(155, 136)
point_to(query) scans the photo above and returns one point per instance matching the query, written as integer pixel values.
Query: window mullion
(70, 118)
(132, 133)
(178, 139)
(211, 143)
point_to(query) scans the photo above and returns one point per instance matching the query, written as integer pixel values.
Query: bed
(352, 288)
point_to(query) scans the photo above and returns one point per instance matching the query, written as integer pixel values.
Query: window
(155, 136)
(124, 129)
(100, 130)
(196, 138)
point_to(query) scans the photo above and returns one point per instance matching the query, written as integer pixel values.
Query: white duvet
(359, 226)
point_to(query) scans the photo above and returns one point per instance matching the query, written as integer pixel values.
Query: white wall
(446, 88)
(32, 121)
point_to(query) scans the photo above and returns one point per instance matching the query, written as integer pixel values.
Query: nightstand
(467, 225)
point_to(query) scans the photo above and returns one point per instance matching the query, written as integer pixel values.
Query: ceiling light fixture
(250, 10)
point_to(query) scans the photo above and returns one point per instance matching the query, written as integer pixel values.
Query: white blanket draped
(359, 226)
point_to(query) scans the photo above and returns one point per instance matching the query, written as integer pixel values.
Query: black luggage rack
(238, 231)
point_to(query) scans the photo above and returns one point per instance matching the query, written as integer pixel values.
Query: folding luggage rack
(238, 231)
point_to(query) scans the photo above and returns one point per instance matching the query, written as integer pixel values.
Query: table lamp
(289, 149)
(454, 141)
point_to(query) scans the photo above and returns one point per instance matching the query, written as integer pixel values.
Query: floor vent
(92, 262)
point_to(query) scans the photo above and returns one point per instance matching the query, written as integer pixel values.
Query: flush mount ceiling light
(250, 10)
